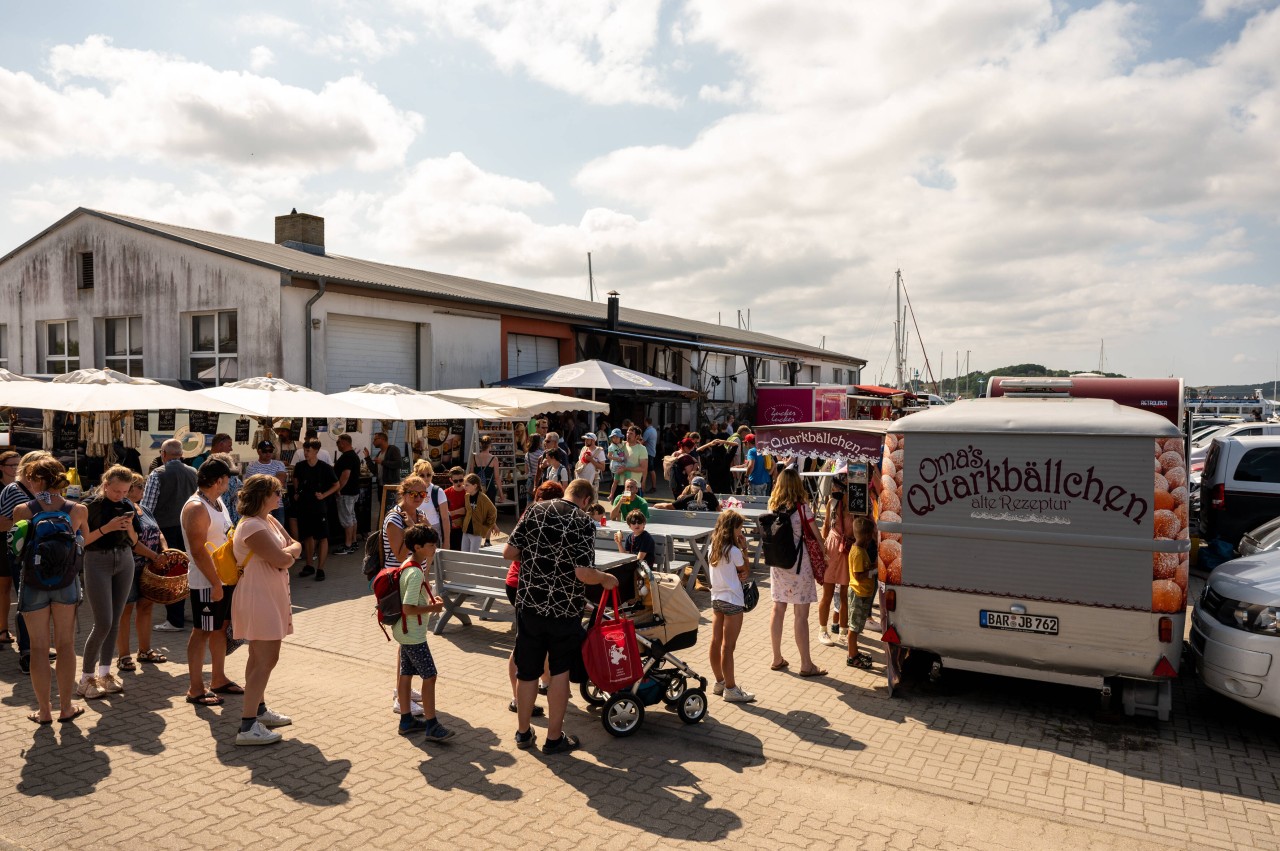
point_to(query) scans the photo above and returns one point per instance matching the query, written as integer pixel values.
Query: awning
(883, 392)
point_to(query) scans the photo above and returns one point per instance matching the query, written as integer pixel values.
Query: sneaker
(835, 629)
(306, 571)
(526, 740)
(737, 695)
(258, 735)
(718, 688)
(271, 718)
(319, 576)
(90, 689)
(413, 725)
(564, 744)
(542, 688)
(167, 627)
(437, 732)
(24, 663)
(110, 685)
(824, 638)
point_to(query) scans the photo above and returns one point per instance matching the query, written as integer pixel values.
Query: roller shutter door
(360, 350)
(527, 353)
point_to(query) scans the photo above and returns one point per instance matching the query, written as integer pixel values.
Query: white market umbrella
(509, 403)
(595, 375)
(267, 396)
(397, 402)
(88, 390)
(18, 391)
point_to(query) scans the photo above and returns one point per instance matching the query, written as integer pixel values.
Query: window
(1259, 465)
(716, 371)
(837, 375)
(527, 353)
(630, 353)
(762, 369)
(815, 375)
(84, 270)
(123, 345)
(213, 348)
(4, 346)
(61, 346)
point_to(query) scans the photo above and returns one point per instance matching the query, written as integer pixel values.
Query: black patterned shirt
(554, 538)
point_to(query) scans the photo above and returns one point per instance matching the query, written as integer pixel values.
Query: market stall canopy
(266, 396)
(507, 403)
(397, 402)
(850, 440)
(18, 391)
(88, 390)
(595, 375)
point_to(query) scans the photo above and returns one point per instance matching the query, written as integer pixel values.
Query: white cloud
(734, 93)
(260, 57)
(353, 40)
(599, 50)
(110, 102)
(1217, 10)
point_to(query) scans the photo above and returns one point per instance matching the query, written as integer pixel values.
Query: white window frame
(837, 375)
(65, 362)
(718, 366)
(129, 360)
(218, 355)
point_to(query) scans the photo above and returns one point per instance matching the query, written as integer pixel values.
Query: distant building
(105, 290)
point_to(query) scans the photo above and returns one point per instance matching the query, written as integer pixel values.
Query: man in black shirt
(555, 543)
(313, 484)
(347, 469)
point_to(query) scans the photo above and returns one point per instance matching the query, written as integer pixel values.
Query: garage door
(360, 350)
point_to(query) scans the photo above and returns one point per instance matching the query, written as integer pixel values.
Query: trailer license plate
(1039, 624)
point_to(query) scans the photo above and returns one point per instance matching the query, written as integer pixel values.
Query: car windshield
(1267, 535)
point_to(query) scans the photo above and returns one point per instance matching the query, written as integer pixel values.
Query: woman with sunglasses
(405, 513)
(13, 494)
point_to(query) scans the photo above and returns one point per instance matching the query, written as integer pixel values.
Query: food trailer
(1026, 537)
(779, 404)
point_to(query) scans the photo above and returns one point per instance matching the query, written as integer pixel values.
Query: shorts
(761, 489)
(859, 610)
(313, 522)
(416, 659)
(726, 608)
(511, 593)
(554, 642)
(207, 615)
(135, 590)
(33, 599)
(347, 509)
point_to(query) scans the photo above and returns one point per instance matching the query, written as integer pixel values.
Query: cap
(750, 438)
(265, 445)
(588, 436)
(699, 482)
(617, 432)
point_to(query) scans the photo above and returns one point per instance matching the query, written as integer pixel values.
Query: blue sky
(1046, 174)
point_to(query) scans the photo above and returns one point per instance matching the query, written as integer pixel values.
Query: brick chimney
(301, 231)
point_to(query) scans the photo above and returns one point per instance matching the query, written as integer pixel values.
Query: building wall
(136, 274)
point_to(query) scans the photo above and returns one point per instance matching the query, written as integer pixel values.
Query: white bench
(463, 579)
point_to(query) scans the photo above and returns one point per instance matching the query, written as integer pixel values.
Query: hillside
(1232, 391)
(971, 384)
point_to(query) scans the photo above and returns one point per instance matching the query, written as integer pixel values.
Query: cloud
(599, 50)
(260, 57)
(109, 102)
(1217, 10)
(353, 40)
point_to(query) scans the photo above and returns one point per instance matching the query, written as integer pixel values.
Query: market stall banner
(242, 430)
(820, 442)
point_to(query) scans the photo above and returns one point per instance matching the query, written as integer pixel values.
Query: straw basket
(164, 580)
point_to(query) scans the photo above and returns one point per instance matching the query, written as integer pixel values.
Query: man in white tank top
(205, 520)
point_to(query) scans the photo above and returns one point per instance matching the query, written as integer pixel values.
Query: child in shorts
(862, 587)
(728, 571)
(417, 600)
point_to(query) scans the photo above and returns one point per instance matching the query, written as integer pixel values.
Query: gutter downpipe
(307, 325)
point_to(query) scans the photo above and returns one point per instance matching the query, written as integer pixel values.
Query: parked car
(1264, 539)
(1200, 448)
(1239, 487)
(1235, 631)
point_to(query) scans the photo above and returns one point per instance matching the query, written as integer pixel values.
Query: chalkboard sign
(140, 421)
(858, 503)
(353, 425)
(167, 420)
(295, 425)
(198, 421)
(242, 430)
(419, 424)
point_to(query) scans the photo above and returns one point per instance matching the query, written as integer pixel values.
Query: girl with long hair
(728, 571)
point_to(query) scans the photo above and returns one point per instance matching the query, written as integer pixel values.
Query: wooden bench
(463, 579)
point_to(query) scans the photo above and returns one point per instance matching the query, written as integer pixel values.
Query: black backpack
(778, 543)
(51, 556)
(373, 555)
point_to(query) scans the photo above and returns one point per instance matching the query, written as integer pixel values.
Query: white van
(1026, 537)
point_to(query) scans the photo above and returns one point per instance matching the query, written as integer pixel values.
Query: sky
(1058, 182)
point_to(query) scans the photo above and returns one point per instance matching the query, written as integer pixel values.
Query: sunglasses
(456, 481)
(635, 522)
(418, 494)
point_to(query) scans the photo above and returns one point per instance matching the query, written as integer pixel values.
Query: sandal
(228, 688)
(780, 665)
(153, 656)
(538, 711)
(862, 662)
(206, 699)
(75, 713)
(813, 672)
(126, 664)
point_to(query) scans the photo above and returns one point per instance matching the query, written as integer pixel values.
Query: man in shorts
(347, 468)
(556, 544)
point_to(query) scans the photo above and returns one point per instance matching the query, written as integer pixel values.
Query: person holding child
(417, 600)
(729, 571)
(862, 587)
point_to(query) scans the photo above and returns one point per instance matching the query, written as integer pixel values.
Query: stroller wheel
(675, 691)
(592, 694)
(692, 708)
(623, 714)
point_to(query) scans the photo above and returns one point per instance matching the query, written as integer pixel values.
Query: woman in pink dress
(837, 535)
(261, 611)
(793, 585)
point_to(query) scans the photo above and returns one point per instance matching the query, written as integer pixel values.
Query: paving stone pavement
(972, 762)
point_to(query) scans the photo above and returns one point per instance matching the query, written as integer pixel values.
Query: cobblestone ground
(972, 762)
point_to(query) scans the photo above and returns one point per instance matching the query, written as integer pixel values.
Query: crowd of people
(277, 515)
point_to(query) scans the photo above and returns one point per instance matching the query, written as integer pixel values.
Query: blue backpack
(51, 556)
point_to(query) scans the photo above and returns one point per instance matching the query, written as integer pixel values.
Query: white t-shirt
(219, 523)
(725, 584)
(431, 506)
(588, 470)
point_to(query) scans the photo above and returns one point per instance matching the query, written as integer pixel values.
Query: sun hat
(699, 482)
(617, 432)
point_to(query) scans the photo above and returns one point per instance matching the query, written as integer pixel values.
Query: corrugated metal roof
(399, 278)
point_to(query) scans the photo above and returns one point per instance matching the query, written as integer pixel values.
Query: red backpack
(389, 608)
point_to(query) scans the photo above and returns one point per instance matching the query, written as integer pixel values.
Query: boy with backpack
(410, 631)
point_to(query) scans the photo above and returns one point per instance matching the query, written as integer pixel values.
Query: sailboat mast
(899, 329)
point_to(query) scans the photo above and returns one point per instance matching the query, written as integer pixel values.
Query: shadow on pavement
(70, 768)
(295, 768)
(465, 763)
(134, 718)
(807, 726)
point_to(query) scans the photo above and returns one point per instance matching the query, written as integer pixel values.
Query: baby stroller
(666, 620)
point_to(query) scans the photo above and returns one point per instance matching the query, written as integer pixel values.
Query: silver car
(1235, 631)
(1264, 539)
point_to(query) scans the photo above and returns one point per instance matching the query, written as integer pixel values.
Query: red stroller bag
(610, 652)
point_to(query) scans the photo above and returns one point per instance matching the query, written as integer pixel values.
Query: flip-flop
(206, 699)
(34, 718)
(6, 637)
(778, 667)
(816, 672)
(79, 710)
(228, 688)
